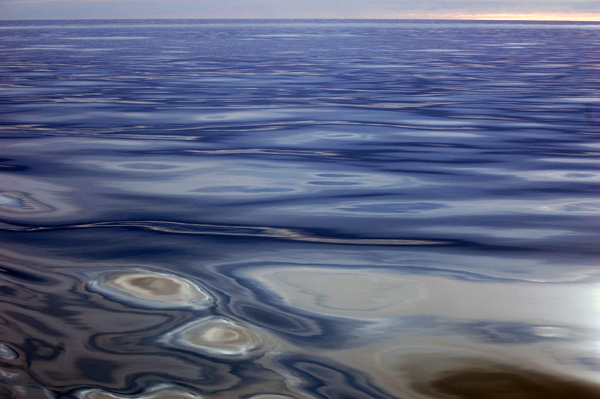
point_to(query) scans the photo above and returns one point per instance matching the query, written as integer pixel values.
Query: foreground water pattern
(299, 209)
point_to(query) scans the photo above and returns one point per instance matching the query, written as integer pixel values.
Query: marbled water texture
(299, 210)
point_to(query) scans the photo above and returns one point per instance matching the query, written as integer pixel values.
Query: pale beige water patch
(220, 337)
(357, 293)
(376, 294)
(152, 289)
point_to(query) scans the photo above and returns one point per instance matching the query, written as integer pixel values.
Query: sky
(380, 9)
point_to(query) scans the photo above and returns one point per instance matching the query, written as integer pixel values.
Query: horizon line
(482, 18)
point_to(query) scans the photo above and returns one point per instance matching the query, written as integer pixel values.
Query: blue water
(299, 209)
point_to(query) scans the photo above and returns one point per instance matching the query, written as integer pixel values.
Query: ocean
(299, 209)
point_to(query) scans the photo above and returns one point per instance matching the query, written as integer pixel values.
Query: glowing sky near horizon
(578, 10)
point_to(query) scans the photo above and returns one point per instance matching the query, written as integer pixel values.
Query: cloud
(78, 9)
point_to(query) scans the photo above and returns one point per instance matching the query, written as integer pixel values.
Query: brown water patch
(500, 384)
(482, 379)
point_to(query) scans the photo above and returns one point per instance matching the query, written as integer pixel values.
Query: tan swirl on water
(218, 336)
(151, 288)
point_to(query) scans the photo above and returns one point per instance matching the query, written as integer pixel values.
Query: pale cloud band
(460, 9)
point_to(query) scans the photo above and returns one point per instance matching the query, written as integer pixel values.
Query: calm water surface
(299, 209)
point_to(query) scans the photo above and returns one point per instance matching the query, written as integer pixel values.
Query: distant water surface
(299, 209)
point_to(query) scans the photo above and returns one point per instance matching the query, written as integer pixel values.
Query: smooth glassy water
(299, 209)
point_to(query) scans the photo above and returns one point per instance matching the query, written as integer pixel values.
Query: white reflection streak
(238, 231)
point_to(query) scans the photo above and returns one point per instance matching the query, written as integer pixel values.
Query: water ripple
(223, 230)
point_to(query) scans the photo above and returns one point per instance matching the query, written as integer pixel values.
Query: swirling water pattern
(299, 209)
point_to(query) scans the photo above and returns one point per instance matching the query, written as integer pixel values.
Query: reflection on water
(160, 392)
(6, 353)
(299, 210)
(21, 202)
